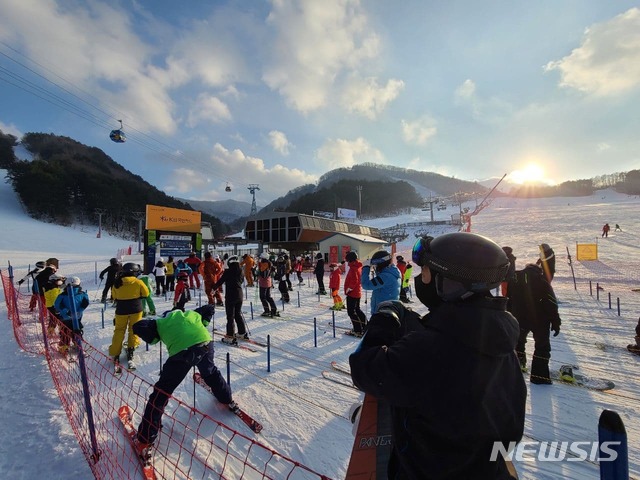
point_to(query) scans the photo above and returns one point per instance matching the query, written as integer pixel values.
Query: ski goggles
(380, 260)
(420, 250)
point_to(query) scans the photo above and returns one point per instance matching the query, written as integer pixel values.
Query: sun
(532, 173)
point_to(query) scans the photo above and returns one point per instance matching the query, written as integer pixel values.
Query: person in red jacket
(353, 292)
(334, 286)
(194, 263)
(182, 294)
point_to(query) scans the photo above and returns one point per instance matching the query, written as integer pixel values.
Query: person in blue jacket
(452, 379)
(190, 345)
(386, 281)
(68, 305)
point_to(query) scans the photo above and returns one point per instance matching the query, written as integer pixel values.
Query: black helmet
(381, 260)
(319, 256)
(113, 261)
(465, 263)
(41, 264)
(351, 256)
(130, 269)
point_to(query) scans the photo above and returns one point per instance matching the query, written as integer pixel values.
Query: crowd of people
(481, 310)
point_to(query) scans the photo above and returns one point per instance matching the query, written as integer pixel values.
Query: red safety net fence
(190, 445)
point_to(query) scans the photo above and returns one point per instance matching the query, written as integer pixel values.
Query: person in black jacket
(319, 273)
(452, 378)
(533, 303)
(232, 278)
(111, 272)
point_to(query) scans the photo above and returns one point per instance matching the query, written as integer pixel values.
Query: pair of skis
(250, 422)
(339, 374)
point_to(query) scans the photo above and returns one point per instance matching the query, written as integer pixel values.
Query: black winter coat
(532, 300)
(232, 279)
(454, 385)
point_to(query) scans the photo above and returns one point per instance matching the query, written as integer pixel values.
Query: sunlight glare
(532, 173)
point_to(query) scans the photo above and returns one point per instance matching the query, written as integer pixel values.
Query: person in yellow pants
(128, 292)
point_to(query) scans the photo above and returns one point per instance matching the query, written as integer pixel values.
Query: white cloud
(420, 131)
(315, 43)
(366, 97)
(208, 108)
(240, 170)
(186, 180)
(608, 60)
(603, 146)
(279, 142)
(345, 153)
(466, 91)
(11, 129)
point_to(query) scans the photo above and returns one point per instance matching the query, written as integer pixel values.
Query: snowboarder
(353, 292)
(443, 428)
(386, 282)
(533, 303)
(128, 292)
(231, 278)
(190, 345)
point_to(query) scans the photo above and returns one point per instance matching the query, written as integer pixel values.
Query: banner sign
(346, 213)
(172, 219)
(586, 251)
(318, 213)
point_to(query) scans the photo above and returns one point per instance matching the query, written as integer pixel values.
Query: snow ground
(305, 416)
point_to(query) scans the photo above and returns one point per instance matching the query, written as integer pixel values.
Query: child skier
(52, 289)
(280, 277)
(334, 286)
(182, 293)
(68, 305)
(147, 302)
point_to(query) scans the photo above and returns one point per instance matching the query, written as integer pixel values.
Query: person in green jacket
(406, 281)
(189, 344)
(147, 302)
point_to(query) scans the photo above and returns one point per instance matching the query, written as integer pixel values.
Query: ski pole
(97, 291)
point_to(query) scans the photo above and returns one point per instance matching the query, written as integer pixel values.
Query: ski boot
(266, 313)
(229, 340)
(144, 451)
(233, 406)
(274, 314)
(242, 336)
(130, 363)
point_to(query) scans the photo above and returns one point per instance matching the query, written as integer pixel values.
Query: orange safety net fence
(190, 445)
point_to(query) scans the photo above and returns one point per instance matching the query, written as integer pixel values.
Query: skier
(42, 278)
(353, 292)
(190, 345)
(287, 272)
(193, 262)
(281, 277)
(386, 282)
(247, 264)
(128, 292)
(334, 286)
(547, 261)
(444, 428)
(406, 281)
(111, 272)
(298, 267)
(51, 290)
(160, 272)
(211, 270)
(533, 303)
(617, 229)
(182, 293)
(148, 304)
(34, 286)
(265, 284)
(170, 280)
(605, 230)
(319, 273)
(231, 278)
(68, 305)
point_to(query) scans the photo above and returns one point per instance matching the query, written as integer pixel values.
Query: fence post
(315, 332)
(609, 300)
(228, 369)
(597, 291)
(268, 353)
(618, 298)
(590, 288)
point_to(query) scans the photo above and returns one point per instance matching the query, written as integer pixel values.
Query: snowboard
(372, 443)
(611, 429)
(584, 381)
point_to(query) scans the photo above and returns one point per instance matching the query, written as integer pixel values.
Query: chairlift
(118, 135)
(227, 188)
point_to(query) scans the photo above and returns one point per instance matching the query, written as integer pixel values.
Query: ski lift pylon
(118, 135)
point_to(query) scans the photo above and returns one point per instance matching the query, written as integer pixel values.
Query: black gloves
(555, 328)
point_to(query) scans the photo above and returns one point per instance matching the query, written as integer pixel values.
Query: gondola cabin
(118, 135)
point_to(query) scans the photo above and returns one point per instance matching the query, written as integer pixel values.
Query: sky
(306, 416)
(277, 93)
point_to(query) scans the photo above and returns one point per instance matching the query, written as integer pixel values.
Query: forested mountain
(68, 182)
